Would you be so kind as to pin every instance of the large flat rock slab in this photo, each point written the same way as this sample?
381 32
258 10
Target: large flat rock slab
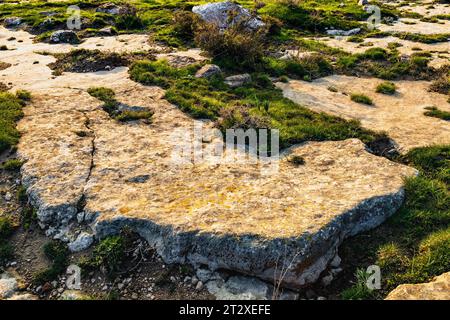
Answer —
230 216
88 173
438 289
400 115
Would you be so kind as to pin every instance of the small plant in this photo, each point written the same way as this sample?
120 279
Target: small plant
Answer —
436 113
296 160
12 165
134 115
58 254
109 253
332 89
361 98
386 87
441 85
23 95
6 228
22 194
359 291
28 216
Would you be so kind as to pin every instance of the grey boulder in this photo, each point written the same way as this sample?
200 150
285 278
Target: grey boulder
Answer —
219 13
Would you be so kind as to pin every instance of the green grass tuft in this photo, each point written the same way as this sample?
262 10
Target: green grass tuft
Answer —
386 87
361 98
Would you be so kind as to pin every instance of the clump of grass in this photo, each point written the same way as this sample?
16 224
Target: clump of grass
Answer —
111 106
306 68
441 85
109 254
83 60
437 113
386 87
23 95
134 115
296 160
10 112
22 194
6 230
361 98
58 254
360 290
12 165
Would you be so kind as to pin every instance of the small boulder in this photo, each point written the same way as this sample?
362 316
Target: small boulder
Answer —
64 36
107 31
343 33
219 13
238 80
8 285
12 22
207 71
82 242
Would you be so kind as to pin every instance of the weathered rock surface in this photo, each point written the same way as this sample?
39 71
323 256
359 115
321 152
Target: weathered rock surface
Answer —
8 285
438 289
87 172
12 22
238 80
400 115
219 14
239 288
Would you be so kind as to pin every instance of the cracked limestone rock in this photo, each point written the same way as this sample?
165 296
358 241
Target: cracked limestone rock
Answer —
438 289
87 171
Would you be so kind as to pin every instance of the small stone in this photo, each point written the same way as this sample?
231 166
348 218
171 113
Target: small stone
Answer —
207 71
321 298
54 284
336 262
120 286
12 22
107 31
8 196
326 281
83 241
187 279
194 280
238 80
199 286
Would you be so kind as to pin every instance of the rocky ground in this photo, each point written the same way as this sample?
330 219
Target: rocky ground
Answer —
89 175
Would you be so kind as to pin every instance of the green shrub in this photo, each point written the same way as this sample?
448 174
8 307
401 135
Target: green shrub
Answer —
361 98
236 46
386 88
